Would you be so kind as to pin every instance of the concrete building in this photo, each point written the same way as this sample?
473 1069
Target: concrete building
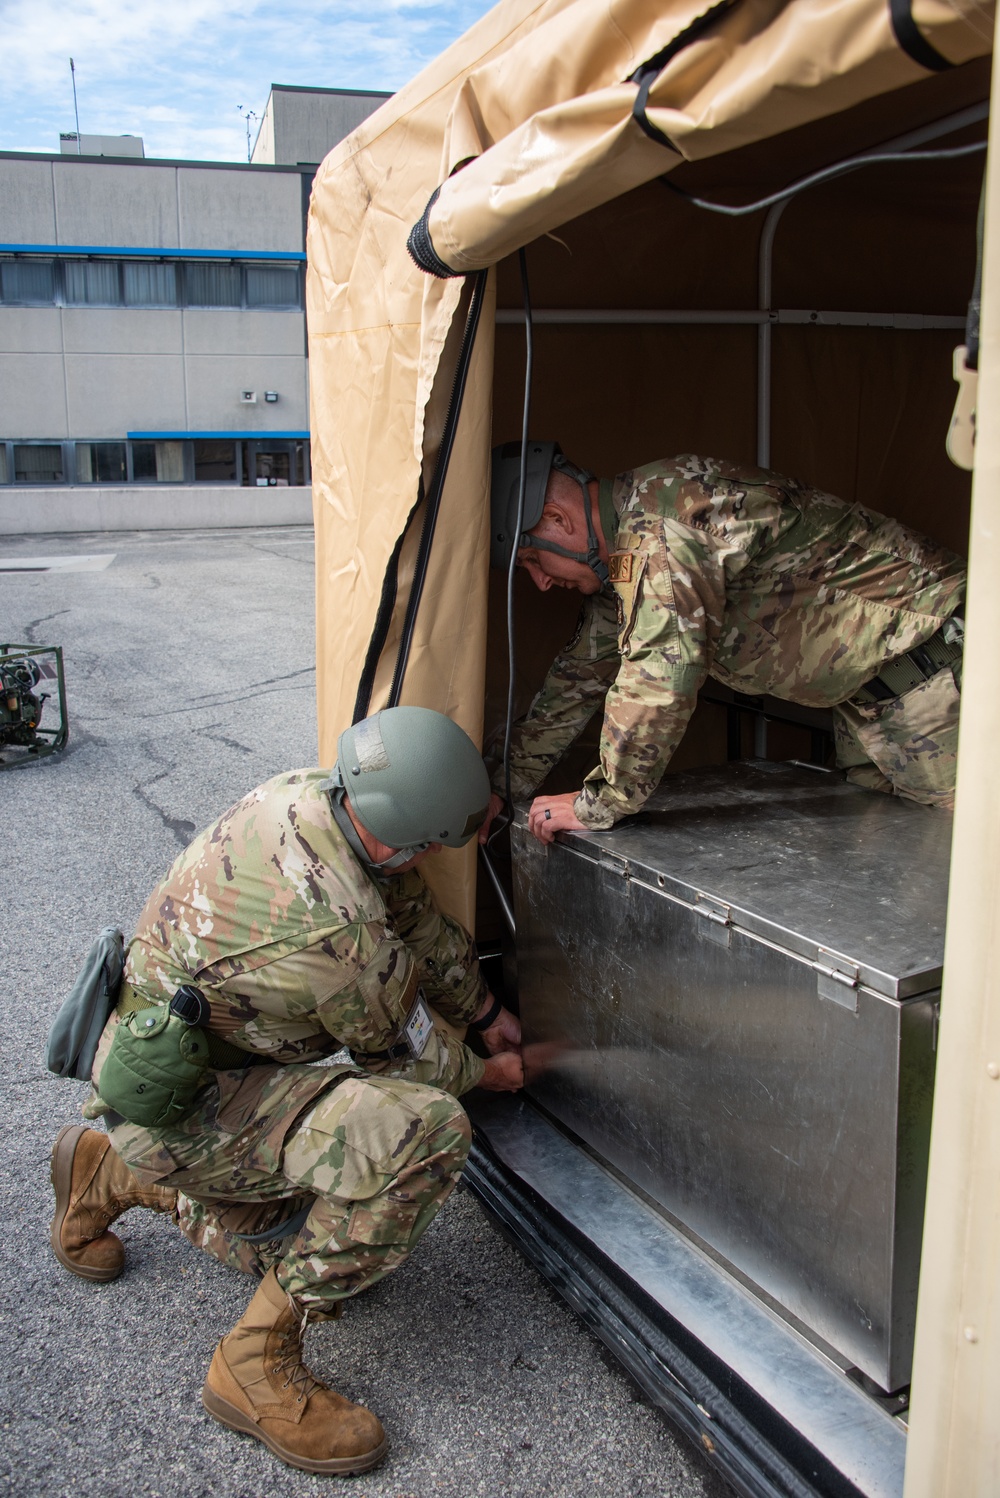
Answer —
300 125
153 356
71 144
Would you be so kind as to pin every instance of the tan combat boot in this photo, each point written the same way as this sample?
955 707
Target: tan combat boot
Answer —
93 1187
258 1383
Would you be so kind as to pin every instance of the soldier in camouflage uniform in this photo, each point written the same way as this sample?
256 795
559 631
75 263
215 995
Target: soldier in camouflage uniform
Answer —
302 920
694 567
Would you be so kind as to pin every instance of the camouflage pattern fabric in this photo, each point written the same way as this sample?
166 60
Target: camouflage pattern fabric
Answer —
907 746
733 572
298 949
379 1155
222 1229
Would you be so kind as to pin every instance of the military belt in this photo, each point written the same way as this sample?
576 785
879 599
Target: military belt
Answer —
904 672
222 1054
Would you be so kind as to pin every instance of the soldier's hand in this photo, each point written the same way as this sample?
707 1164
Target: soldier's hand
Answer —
493 810
503 1073
504 1034
552 814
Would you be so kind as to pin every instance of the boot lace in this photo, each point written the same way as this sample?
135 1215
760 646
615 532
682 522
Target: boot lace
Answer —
289 1361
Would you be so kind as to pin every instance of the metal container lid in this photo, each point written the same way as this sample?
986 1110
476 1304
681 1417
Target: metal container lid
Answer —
847 878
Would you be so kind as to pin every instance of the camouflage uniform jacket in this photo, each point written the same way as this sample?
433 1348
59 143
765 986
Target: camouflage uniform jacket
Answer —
732 572
298 949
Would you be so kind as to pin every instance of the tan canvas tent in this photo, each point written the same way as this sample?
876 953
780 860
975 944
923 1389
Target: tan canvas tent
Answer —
662 327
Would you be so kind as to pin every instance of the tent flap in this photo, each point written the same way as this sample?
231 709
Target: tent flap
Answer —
735 74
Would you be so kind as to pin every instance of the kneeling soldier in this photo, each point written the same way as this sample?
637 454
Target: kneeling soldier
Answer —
296 926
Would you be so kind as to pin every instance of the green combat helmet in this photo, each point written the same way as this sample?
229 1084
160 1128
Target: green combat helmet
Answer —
505 483
414 778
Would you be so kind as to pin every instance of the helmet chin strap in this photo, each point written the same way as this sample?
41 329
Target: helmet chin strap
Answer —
337 790
591 557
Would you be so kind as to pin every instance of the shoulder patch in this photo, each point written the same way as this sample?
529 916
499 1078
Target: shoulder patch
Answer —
620 566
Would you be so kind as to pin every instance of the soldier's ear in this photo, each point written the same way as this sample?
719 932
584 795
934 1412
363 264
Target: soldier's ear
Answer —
555 517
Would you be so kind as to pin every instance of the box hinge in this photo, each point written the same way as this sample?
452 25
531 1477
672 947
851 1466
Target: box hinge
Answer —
718 923
836 979
620 869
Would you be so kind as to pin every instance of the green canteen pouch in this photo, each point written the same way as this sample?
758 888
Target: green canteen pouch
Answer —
156 1065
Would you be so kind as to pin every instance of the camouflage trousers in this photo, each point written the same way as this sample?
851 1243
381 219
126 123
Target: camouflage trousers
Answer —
372 1158
906 746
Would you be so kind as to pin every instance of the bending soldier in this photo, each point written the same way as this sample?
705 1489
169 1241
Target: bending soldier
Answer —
300 925
693 567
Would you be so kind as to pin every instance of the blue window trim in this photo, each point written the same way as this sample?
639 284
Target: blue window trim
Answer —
216 436
164 253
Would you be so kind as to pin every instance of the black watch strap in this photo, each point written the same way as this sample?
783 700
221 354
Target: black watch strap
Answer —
487 1019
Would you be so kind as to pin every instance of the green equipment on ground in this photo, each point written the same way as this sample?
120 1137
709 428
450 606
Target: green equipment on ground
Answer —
23 670
158 1061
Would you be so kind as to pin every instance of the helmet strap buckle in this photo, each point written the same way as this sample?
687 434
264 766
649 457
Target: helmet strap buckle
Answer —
337 790
592 556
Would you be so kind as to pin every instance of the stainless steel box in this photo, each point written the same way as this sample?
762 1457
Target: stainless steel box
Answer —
733 1000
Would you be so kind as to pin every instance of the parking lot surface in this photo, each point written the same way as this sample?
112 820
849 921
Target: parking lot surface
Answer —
189 667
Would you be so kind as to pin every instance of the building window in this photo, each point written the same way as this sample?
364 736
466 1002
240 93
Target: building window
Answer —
207 284
101 463
266 461
106 281
272 468
260 460
150 283
91 283
214 462
38 463
28 283
158 462
275 286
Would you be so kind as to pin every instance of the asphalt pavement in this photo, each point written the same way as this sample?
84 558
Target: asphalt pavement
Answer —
190 673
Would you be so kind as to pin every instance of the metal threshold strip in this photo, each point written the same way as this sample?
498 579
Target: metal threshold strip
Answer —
778 1418
735 317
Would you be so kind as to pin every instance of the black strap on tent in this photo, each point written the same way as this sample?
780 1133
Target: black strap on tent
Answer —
647 72
911 39
972 316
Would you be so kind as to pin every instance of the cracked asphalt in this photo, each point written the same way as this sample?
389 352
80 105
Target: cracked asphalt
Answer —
189 668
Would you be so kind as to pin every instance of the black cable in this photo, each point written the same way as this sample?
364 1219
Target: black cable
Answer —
827 172
529 359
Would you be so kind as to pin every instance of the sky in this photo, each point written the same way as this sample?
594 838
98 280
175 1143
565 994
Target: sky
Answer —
184 73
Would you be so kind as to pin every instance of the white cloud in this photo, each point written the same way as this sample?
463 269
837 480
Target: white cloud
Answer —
176 73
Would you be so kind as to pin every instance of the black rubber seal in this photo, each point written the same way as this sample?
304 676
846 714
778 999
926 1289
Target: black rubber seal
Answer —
975 303
912 40
421 246
390 582
383 619
647 72
434 492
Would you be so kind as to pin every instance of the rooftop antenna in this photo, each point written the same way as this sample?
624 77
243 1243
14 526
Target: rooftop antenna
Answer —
79 142
248 115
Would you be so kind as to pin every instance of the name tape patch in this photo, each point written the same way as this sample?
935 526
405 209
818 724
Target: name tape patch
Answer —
418 1027
620 566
